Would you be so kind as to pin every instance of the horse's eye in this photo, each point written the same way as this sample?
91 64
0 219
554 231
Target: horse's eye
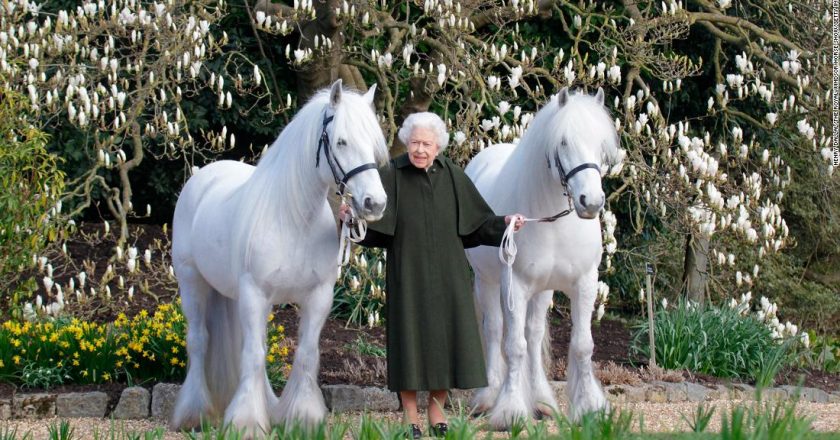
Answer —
341 142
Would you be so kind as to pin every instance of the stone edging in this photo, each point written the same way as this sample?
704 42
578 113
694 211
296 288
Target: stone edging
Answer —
138 403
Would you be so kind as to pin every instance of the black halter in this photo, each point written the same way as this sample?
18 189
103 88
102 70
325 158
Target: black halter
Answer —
564 178
332 161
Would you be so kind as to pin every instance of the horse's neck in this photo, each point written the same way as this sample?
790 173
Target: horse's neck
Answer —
302 207
534 192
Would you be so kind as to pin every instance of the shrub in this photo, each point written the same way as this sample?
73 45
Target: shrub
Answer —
30 183
143 348
717 341
823 353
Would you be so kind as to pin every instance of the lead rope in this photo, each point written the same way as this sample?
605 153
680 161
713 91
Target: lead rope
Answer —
507 255
507 249
350 234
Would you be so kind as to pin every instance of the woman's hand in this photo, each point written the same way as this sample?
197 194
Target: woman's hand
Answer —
343 212
519 220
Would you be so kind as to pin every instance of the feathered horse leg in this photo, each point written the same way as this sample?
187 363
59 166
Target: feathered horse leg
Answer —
248 411
490 318
584 391
194 400
301 400
513 401
542 394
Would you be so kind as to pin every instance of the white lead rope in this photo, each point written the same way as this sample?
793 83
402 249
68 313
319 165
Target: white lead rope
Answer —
349 235
507 254
507 249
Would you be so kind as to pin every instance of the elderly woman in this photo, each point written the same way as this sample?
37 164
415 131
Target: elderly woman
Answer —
434 211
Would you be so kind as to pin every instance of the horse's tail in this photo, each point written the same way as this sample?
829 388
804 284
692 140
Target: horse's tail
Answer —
548 358
224 349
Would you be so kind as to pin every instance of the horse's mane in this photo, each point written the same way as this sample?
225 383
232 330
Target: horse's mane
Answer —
279 193
582 117
582 122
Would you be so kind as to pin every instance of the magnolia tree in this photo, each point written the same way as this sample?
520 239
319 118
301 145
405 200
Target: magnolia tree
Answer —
120 72
713 100
712 171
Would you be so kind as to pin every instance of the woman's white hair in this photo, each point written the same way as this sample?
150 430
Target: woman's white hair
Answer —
425 120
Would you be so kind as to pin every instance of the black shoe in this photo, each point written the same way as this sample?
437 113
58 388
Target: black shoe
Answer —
439 430
415 431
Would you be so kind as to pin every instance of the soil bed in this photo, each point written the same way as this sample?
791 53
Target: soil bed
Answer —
92 250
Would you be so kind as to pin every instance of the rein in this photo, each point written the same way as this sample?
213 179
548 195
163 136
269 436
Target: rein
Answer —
348 234
508 250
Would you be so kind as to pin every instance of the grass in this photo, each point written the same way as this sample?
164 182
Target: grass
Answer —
761 420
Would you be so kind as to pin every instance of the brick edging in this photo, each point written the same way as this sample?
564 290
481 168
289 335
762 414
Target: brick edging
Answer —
139 403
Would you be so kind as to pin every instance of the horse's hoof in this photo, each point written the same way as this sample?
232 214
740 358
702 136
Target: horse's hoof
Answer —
542 411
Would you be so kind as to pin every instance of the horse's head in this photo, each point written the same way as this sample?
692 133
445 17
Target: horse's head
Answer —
584 142
353 147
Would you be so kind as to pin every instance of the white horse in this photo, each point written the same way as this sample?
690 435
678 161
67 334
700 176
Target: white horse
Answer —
574 133
245 238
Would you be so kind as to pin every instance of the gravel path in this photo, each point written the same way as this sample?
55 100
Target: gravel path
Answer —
658 417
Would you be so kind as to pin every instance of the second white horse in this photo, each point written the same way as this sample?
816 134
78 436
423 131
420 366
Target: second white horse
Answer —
555 167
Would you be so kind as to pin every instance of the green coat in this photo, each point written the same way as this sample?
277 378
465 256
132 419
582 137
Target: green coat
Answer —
433 338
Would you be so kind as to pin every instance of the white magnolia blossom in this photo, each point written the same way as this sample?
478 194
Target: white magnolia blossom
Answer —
600 312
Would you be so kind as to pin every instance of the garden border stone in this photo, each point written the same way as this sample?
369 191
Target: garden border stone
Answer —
164 396
5 409
33 405
139 403
91 404
134 403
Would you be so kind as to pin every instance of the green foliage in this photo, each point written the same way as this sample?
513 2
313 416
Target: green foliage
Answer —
770 421
810 299
61 430
143 348
599 425
30 183
360 291
117 431
40 376
700 420
373 429
364 347
716 341
7 433
823 353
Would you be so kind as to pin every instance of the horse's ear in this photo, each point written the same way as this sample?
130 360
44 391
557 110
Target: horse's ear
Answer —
600 96
335 93
563 96
370 94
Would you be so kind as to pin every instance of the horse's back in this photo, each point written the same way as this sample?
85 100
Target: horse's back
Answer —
485 168
203 194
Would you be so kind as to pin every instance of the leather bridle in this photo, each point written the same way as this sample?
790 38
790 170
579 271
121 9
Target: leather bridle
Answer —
339 175
564 179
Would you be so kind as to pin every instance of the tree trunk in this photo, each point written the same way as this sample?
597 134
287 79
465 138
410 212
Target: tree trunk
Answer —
695 274
323 69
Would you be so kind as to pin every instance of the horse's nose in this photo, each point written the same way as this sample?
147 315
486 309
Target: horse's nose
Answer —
373 206
596 204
